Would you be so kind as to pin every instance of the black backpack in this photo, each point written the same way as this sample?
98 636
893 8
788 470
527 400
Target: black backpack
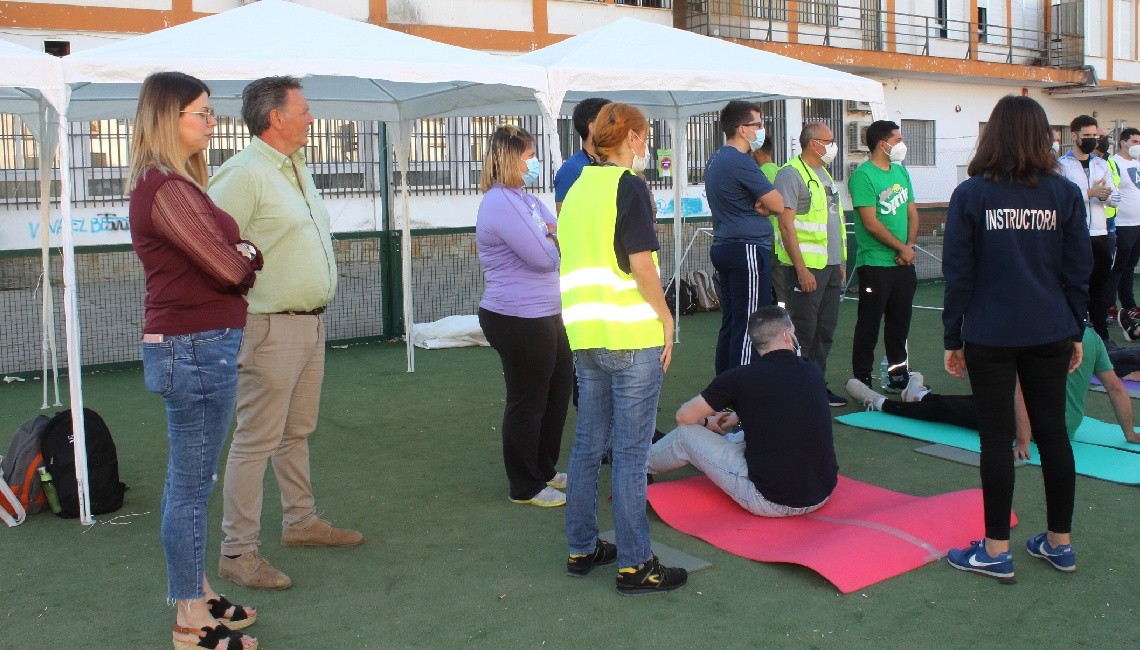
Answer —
102 464
688 298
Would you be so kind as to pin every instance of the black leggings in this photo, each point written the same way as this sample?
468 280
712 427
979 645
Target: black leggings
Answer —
539 372
958 410
1042 370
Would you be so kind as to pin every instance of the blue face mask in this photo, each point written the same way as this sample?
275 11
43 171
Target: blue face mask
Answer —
758 141
533 169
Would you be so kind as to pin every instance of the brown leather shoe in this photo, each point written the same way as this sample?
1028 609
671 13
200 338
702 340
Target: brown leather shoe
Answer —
252 570
320 533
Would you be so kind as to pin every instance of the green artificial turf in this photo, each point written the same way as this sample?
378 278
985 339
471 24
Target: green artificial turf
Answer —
413 461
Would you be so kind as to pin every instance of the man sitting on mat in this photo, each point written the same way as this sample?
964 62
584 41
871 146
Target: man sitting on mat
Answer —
920 404
786 465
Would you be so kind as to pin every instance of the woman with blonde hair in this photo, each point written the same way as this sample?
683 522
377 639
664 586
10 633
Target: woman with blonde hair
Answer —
621 332
521 315
197 271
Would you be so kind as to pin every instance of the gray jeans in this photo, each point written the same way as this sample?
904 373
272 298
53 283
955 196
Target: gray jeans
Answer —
816 314
720 460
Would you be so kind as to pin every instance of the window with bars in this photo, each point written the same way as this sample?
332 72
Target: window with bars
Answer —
832 113
768 9
819 12
342 156
920 144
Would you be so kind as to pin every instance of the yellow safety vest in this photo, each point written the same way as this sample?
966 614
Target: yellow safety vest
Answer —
1110 213
601 306
811 228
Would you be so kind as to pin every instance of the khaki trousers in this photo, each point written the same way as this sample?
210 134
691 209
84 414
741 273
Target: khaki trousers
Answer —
281 364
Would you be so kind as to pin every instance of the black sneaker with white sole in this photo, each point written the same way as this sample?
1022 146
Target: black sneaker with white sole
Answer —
650 577
835 400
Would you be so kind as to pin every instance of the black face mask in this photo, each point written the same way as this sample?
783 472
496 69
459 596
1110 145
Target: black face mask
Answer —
1102 144
1086 145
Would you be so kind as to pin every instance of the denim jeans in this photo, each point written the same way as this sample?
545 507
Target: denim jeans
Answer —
197 376
722 462
618 395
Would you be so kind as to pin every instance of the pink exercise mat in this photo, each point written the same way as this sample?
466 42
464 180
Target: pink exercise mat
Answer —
863 535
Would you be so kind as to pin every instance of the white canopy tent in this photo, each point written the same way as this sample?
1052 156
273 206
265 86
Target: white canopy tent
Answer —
672 74
350 70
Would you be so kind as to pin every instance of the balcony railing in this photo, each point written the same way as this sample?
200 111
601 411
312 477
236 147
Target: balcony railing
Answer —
866 27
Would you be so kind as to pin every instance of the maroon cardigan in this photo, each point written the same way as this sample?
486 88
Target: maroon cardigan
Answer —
195 277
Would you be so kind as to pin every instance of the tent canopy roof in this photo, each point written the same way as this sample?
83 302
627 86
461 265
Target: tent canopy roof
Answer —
670 72
351 69
28 76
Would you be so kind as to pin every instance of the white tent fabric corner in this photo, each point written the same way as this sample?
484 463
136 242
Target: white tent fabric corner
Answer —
450 332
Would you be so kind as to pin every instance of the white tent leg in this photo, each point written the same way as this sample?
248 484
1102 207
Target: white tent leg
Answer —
71 327
403 143
680 172
47 142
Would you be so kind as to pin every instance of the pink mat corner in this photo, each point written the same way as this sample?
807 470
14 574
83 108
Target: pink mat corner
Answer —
863 535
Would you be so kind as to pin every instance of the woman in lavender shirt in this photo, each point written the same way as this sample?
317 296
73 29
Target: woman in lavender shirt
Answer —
521 315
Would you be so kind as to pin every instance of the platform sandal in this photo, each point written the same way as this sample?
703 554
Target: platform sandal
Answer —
239 621
218 637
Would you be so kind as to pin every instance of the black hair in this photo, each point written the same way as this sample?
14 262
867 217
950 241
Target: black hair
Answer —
585 112
736 114
878 131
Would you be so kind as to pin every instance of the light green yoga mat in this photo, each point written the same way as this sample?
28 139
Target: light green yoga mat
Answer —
1099 448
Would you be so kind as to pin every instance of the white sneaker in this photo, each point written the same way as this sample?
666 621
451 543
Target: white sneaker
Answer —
914 388
547 498
858 390
558 482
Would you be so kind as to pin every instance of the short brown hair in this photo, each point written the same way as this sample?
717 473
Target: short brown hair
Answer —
612 126
501 164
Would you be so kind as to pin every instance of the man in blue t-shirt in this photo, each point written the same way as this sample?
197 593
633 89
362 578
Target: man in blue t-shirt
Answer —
740 198
786 465
583 117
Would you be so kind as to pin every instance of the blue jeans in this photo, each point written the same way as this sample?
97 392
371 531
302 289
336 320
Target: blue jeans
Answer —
618 391
197 376
722 462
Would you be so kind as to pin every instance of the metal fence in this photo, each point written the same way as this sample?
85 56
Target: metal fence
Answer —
446 280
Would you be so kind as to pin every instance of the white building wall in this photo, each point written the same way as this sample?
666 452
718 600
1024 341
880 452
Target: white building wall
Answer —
164 5
577 16
511 15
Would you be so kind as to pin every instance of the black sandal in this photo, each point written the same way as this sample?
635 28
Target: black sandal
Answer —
239 621
211 637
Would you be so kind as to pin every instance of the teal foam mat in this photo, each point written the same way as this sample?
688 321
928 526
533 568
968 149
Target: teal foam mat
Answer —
1099 448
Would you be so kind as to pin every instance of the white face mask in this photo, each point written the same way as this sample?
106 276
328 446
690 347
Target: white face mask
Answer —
757 142
1056 147
640 162
897 154
830 151
1134 152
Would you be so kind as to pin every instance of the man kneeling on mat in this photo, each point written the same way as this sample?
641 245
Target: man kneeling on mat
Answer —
1108 366
786 465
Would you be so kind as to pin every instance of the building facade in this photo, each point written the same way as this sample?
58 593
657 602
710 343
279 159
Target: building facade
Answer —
943 64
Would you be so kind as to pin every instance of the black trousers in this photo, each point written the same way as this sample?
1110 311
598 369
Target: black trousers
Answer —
744 284
539 372
1042 370
886 294
959 410
1124 264
1101 294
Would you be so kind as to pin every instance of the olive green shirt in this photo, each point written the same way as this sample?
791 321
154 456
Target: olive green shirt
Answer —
272 198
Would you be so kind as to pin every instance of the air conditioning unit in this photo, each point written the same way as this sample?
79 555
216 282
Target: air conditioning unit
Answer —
851 167
856 137
858 107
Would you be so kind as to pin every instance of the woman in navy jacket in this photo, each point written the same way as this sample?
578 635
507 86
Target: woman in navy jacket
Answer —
1017 261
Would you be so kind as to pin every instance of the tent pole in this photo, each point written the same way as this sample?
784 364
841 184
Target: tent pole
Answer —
403 150
680 171
71 324
46 139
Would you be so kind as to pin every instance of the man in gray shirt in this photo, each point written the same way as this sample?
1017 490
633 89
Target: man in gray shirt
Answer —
812 246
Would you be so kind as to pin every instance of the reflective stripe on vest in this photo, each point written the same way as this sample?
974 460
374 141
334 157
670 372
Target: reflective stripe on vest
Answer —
601 306
811 228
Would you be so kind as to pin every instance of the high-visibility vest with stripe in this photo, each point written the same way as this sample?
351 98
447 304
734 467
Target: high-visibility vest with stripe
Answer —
1110 213
811 228
601 306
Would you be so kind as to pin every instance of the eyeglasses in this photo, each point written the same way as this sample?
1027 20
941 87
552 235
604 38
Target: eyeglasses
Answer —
831 141
206 114
753 124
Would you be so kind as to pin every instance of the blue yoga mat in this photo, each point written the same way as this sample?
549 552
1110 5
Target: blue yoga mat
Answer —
1099 448
1133 387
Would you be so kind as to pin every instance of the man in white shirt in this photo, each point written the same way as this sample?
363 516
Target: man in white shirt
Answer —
1125 167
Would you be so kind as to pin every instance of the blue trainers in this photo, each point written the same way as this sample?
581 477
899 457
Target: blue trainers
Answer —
1063 557
977 560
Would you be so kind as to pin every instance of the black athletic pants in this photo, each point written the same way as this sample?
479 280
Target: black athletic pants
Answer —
1042 370
886 294
539 372
959 410
1101 294
1124 265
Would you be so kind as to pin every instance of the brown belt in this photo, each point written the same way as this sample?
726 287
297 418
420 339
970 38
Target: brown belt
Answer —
316 312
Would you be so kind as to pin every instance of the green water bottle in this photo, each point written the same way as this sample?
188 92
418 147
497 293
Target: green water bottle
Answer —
49 490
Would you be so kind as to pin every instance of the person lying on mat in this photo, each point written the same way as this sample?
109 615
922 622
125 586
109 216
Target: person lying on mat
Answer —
786 465
920 404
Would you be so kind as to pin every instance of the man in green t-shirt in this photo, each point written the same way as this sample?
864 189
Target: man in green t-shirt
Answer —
885 233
